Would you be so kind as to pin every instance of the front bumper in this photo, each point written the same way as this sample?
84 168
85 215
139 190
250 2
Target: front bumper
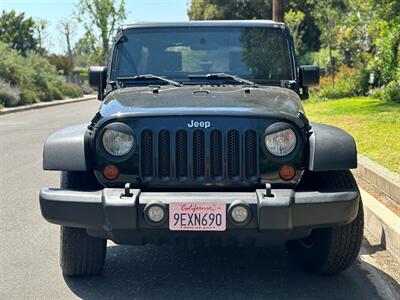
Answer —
287 215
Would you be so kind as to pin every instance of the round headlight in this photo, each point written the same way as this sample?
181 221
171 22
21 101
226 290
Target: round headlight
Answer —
281 143
117 143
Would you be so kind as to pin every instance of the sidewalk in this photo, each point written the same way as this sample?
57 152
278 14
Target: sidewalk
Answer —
45 104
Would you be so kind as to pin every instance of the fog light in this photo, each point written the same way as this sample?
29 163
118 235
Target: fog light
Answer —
111 172
239 212
155 213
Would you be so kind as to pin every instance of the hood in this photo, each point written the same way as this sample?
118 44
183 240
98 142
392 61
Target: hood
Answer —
260 101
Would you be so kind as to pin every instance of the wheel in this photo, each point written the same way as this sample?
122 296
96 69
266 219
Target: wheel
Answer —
334 249
80 254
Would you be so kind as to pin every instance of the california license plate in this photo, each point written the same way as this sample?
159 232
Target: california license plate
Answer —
197 217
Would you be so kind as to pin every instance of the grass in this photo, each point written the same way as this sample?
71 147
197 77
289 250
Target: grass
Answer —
374 124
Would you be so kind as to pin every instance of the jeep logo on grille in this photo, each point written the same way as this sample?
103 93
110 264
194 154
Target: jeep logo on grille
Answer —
201 124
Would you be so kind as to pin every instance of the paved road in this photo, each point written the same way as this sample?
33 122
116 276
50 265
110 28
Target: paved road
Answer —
29 247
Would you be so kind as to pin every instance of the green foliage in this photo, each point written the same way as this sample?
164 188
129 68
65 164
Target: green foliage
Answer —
229 9
62 63
9 95
71 90
294 19
322 59
103 15
391 92
34 76
258 9
17 31
387 60
349 82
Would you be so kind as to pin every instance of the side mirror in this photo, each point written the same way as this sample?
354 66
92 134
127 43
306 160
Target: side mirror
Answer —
98 80
309 77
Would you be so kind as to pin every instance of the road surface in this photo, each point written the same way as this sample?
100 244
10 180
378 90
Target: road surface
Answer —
29 267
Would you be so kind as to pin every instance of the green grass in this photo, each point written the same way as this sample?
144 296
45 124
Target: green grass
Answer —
374 124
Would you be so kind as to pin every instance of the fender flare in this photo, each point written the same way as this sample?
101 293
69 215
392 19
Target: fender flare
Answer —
67 149
331 149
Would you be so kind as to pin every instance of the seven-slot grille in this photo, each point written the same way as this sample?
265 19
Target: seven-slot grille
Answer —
199 155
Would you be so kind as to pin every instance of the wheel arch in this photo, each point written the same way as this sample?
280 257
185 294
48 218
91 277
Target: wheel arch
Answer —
331 149
68 149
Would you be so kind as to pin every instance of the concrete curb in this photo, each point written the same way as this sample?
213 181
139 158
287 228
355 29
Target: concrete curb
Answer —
11 110
382 223
379 177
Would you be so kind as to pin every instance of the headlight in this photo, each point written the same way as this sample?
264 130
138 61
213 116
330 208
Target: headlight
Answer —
280 143
117 143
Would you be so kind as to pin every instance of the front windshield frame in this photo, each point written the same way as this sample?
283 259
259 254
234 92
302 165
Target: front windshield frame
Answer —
285 33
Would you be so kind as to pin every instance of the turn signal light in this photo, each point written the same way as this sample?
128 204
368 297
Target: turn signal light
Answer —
287 172
111 172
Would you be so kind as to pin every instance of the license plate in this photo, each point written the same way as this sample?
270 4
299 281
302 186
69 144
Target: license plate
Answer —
197 217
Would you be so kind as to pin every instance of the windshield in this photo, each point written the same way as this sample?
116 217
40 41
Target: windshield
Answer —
256 53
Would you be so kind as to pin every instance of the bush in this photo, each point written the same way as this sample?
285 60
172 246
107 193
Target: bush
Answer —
34 77
9 95
348 83
391 92
71 90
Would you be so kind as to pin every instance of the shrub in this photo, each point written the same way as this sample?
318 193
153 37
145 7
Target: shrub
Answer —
71 90
87 89
348 82
34 76
391 92
9 95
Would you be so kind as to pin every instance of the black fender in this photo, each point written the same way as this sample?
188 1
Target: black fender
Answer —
67 149
331 149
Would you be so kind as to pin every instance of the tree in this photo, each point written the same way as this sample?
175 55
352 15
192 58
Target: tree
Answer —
329 14
105 16
259 9
17 31
293 20
230 9
67 29
278 11
62 63
41 33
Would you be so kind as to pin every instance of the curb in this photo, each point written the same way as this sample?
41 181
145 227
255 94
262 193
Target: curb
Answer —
379 177
11 110
382 223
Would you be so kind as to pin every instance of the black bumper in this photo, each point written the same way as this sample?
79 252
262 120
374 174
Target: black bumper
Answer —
287 215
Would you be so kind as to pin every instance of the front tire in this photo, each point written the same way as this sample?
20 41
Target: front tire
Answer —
334 249
80 254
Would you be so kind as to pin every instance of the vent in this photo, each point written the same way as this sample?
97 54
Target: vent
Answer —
164 157
251 154
147 153
233 154
198 154
181 155
216 157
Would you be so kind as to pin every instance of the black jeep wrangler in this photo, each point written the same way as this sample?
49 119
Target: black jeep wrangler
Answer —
201 139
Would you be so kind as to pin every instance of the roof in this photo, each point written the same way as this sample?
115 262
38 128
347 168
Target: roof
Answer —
219 23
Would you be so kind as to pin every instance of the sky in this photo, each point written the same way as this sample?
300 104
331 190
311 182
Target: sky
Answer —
55 10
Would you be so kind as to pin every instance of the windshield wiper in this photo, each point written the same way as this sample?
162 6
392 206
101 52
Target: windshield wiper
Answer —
149 76
224 76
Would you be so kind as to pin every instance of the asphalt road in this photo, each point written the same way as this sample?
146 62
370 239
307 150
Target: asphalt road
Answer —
29 247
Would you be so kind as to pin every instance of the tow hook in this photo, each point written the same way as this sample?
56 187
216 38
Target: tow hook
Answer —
268 192
127 191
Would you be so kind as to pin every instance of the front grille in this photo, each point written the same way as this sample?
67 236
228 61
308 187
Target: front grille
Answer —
147 153
233 154
199 155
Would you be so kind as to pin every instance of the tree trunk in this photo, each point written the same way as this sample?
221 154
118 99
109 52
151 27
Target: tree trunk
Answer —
278 11
332 67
